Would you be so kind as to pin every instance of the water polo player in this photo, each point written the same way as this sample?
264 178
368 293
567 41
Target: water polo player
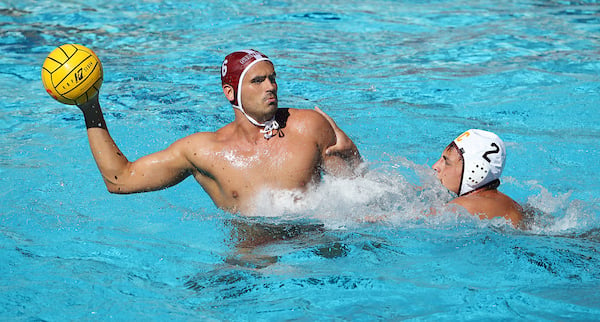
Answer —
471 166
264 147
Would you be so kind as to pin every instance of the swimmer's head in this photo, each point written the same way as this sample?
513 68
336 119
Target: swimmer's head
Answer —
234 68
483 155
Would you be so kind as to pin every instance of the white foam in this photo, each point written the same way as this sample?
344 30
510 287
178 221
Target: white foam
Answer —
384 196
559 213
380 195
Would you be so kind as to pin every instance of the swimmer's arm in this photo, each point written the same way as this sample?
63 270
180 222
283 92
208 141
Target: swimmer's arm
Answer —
152 172
342 156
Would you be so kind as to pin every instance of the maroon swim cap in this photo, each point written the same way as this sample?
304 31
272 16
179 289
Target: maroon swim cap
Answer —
234 68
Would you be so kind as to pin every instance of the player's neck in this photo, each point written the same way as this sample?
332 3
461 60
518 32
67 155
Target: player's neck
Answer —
246 131
483 191
249 127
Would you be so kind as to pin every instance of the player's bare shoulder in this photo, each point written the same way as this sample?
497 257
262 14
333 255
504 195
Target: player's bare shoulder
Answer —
310 122
196 146
467 202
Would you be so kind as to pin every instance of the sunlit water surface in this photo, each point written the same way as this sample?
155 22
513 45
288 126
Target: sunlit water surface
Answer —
401 78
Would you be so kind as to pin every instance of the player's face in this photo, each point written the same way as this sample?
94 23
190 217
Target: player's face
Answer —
449 169
259 91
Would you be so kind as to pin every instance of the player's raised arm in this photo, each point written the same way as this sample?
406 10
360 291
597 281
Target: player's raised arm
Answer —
152 172
72 74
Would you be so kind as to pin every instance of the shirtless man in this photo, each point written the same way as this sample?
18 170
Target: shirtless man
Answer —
470 167
263 148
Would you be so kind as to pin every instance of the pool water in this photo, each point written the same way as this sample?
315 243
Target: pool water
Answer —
402 78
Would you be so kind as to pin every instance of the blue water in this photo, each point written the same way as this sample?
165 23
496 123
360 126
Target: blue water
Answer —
402 78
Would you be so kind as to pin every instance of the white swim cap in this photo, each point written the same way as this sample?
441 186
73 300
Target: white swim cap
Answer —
483 155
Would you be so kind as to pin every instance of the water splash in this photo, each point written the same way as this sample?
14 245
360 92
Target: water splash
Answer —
381 194
559 213
403 193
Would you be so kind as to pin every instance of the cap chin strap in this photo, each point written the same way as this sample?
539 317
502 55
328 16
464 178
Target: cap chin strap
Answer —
462 175
268 127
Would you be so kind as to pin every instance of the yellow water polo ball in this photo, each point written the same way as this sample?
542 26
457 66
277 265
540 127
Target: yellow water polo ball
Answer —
72 74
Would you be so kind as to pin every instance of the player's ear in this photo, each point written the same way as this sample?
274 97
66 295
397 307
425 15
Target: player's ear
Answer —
229 93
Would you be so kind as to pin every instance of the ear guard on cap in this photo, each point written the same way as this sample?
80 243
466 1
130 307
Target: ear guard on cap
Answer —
483 155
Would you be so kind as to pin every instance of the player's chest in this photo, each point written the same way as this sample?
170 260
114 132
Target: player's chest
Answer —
276 161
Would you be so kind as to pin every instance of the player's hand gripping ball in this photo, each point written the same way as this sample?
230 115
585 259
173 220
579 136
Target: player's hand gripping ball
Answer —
72 74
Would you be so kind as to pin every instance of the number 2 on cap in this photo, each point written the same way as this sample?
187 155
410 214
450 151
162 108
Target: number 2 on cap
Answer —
496 150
